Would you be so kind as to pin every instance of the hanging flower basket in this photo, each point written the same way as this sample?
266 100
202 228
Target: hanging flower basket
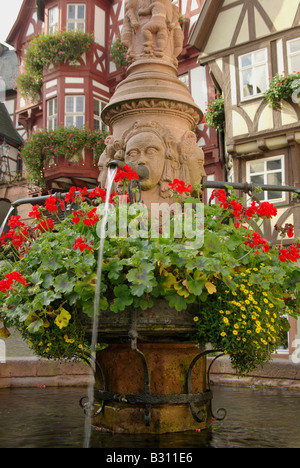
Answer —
61 47
215 114
283 87
118 54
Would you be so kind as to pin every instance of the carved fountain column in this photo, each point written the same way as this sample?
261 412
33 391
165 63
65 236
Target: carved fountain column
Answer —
152 116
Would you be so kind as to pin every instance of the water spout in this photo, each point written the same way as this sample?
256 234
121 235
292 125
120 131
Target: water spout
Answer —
11 212
110 179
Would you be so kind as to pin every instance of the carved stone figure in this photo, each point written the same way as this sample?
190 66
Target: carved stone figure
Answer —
130 26
155 31
107 156
192 159
152 113
151 145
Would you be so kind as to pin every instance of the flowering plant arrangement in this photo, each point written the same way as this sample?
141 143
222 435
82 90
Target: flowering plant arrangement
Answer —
282 87
118 53
182 20
244 287
42 50
46 145
214 114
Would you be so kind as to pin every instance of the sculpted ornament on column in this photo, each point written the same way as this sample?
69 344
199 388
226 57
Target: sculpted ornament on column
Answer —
152 145
151 29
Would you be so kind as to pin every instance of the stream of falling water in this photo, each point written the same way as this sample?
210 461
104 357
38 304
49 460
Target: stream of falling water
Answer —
88 426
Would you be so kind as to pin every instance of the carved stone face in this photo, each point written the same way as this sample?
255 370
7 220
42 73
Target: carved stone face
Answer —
147 149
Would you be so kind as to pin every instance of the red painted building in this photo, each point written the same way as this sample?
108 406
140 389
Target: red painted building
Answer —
75 95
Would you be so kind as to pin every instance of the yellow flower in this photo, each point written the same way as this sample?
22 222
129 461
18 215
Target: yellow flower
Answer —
236 325
225 320
235 332
249 332
223 334
62 320
196 319
80 346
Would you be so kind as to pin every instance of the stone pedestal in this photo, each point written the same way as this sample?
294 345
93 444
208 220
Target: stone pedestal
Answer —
150 384
176 388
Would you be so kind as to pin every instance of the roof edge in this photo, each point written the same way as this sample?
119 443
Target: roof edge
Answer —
204 23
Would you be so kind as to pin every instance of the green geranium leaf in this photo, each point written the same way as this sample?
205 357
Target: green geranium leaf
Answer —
176 301
196 285
114 267
122 299
212 242
35 326
64 283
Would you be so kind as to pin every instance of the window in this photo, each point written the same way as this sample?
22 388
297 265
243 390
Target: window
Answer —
253 69
293 53
185 79
98 108
75 108
269 171
53 20
76 17
52 114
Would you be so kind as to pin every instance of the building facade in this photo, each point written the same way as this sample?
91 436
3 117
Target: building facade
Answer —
76 95
245 44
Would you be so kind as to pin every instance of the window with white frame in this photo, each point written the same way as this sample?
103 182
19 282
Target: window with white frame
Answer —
76 14
53 20
293 54
253 69
268 171
52 114
74 111
98 108
185 79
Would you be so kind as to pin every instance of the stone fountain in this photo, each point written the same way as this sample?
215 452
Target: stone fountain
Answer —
152 379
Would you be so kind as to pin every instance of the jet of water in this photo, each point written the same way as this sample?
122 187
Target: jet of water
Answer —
88 426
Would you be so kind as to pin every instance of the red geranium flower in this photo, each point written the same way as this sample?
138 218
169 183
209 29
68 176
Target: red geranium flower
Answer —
35 213
125 173
180 186
266 210
50 204
45 225
81 245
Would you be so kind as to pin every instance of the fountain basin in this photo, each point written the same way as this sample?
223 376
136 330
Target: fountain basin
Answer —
158 323
152 376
